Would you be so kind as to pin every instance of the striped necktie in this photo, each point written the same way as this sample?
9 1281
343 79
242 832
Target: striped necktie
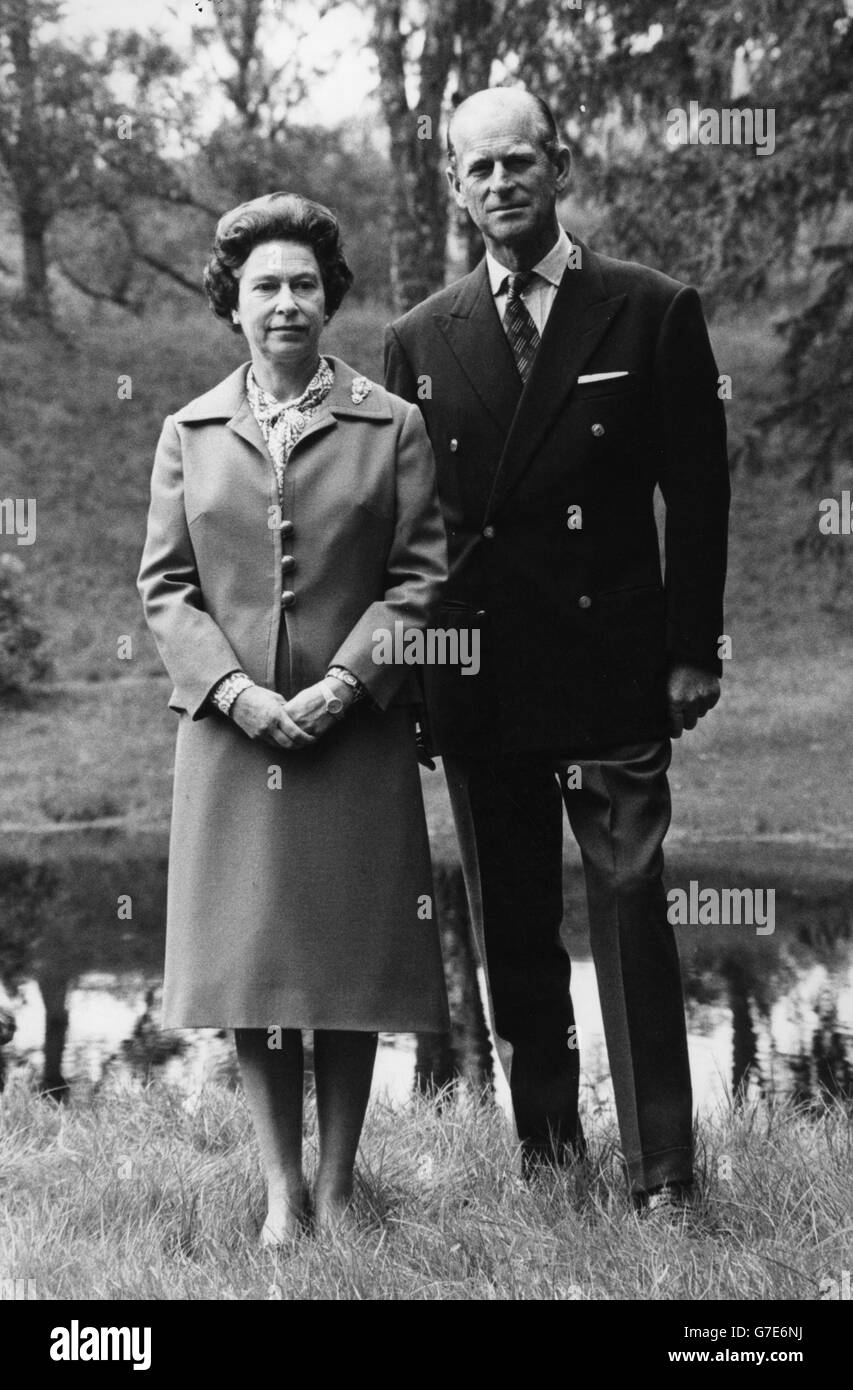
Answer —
518 324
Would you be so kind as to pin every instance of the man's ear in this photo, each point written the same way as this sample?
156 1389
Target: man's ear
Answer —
454 186
563 165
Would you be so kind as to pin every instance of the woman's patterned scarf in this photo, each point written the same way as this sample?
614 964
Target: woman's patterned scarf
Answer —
282 423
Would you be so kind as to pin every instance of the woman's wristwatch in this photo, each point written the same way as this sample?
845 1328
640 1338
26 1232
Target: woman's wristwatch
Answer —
334 704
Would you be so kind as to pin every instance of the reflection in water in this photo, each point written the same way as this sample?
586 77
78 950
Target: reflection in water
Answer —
767 1015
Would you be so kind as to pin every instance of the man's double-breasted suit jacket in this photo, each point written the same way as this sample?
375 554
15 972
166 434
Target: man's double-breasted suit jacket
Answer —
547 493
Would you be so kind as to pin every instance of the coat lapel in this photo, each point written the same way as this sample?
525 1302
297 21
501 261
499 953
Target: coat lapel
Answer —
580 316
228 402
244 423
477 340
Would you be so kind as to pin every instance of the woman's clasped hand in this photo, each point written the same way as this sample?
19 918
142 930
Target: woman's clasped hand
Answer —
297 723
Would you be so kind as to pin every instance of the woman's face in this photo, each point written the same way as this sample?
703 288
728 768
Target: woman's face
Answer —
282 303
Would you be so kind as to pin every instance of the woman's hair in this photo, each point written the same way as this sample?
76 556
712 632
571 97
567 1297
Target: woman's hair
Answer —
274 217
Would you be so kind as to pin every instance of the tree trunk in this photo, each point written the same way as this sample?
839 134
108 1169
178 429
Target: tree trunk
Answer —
22 153
465 1052
35 296
419 212
418 196
477 46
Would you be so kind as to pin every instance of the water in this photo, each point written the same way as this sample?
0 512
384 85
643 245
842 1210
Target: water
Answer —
767 1014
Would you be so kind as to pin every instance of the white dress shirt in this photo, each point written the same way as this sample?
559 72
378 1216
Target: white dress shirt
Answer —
542 290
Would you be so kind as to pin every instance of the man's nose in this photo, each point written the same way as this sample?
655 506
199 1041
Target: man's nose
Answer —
501 177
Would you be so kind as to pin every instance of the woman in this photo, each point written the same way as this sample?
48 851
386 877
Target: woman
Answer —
294 520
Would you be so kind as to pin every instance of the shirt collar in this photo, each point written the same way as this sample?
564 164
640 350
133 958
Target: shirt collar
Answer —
550 267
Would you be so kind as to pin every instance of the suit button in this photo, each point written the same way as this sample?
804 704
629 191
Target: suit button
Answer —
286 528
288 598
489 532
480 613
584 601
598 430
454 445
288 563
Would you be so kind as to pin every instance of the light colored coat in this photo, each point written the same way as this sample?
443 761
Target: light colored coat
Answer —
298 880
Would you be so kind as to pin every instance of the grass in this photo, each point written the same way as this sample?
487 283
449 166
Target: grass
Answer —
765 762
147 1194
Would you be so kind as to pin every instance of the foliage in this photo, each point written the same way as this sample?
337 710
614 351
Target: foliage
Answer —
21 662
732 221
70 148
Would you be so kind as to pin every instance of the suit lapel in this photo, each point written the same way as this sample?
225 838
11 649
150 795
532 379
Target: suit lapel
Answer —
580 316
477 340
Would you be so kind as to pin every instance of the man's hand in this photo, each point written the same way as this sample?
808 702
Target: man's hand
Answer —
308 708
691 692
262 714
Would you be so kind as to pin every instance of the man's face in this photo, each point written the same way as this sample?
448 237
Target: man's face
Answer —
504 177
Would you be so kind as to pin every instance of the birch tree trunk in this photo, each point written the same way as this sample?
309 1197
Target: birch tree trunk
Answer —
22 155
419 198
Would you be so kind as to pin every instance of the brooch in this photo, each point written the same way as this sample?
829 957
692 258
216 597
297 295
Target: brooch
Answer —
361 389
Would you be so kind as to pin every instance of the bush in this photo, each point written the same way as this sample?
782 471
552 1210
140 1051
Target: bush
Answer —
21 662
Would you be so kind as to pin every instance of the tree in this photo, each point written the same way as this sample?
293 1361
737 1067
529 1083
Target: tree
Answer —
70 149
445 49
25 148
419 204
727 219
264 143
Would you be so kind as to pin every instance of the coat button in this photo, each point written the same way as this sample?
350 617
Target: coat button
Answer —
288 598
454 445
286 528
598 430
584 601
489 532
288 563
480 613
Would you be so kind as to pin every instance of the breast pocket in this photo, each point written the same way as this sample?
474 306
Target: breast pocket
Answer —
606 387
609 424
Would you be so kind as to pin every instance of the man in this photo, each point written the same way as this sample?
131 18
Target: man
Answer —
558 388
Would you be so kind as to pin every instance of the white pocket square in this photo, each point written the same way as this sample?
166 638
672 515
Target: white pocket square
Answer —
600 376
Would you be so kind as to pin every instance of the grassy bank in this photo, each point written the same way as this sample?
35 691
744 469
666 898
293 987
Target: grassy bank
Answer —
764 763
146 1195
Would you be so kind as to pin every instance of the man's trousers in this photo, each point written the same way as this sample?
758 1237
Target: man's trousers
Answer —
508 815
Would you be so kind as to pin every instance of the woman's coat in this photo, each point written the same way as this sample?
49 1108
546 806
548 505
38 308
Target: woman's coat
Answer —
300 890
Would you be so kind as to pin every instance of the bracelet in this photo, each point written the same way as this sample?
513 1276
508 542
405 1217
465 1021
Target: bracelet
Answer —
225 693
340 673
